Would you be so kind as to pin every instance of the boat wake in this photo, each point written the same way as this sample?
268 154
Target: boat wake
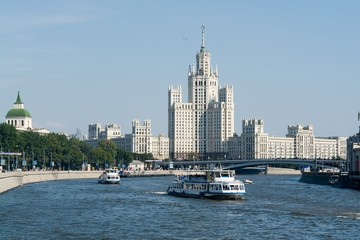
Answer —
355 216
160 193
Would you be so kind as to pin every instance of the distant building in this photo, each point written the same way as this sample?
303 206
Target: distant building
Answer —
140 140
304 141
300 142
160 147
253 140
141 137
203 125
136 166
353 155
18 116
21 119
110 131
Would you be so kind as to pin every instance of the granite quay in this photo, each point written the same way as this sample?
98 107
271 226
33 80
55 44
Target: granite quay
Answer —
10 180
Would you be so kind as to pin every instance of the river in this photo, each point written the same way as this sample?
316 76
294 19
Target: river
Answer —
276 207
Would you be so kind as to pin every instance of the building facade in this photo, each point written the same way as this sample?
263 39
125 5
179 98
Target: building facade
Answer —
140 140
108 132
21 119
201 126
160 147
141 137
18 116
353 155
300 142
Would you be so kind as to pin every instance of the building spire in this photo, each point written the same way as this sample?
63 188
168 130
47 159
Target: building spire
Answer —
18 99
202 36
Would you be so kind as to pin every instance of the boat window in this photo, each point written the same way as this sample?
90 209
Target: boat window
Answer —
225 174
226 187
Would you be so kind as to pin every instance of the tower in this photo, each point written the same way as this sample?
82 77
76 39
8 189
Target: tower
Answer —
19 117
201 127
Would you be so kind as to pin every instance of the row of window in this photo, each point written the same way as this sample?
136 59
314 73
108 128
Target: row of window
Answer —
16 122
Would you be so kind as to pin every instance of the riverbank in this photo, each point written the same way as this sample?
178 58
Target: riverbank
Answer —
282 171
10 180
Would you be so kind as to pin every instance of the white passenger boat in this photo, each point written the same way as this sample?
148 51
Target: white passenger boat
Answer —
216 184
109 175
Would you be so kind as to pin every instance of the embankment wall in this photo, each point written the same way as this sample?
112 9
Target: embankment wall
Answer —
282 171
10 180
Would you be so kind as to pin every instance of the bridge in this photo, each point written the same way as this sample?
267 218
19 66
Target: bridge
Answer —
239 164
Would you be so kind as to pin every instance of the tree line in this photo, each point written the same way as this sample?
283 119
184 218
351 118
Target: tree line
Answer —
57 151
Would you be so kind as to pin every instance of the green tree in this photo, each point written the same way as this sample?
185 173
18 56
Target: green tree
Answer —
8 138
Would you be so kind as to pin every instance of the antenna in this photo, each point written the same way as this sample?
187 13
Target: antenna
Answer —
202 36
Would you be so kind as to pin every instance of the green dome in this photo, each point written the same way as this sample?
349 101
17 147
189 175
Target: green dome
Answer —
18 113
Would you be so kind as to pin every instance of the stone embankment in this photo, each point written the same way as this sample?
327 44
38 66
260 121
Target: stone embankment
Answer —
10 180
282 171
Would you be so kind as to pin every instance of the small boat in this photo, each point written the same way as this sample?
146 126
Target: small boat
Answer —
215 184
109 175
248 181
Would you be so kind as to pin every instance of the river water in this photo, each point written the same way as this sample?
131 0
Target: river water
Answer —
276 207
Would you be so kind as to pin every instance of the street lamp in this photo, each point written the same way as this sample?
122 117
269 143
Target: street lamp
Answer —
44 167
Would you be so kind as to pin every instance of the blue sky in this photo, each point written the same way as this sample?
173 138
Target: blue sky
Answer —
79 62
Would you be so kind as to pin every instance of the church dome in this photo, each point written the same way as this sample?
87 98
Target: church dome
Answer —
13 113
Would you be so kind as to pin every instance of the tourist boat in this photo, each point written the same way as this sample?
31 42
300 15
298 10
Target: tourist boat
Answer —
109 175
216 184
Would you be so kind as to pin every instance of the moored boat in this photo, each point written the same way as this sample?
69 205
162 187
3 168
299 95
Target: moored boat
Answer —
109 175
216 184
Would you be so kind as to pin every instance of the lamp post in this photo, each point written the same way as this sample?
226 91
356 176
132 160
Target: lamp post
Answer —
51 162
32 160
44 167
8 160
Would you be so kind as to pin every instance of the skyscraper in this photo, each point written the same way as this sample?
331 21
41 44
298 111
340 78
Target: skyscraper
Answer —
201 127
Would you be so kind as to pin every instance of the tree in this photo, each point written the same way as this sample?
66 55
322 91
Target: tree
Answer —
8 138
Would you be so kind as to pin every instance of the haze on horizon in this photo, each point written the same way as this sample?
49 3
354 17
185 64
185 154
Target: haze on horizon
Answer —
82 62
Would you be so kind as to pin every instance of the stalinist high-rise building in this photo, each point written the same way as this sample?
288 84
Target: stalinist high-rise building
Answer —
200 128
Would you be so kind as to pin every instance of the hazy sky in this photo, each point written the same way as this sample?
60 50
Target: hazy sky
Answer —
77 62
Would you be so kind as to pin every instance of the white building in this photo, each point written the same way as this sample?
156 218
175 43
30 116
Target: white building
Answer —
141 137
21 119
203 125
110 131
281 148
304 141
160 147
330 147
300 142
140 140
253 140
18 116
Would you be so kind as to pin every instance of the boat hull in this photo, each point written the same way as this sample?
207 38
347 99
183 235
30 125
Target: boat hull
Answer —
109 182
208 195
